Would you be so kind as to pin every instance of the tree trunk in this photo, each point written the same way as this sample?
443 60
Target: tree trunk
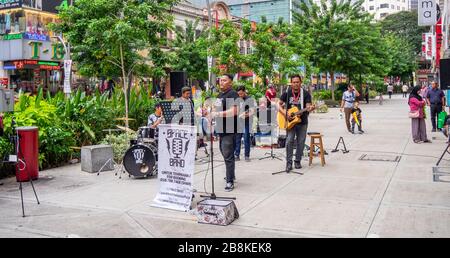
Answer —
125 84
332 86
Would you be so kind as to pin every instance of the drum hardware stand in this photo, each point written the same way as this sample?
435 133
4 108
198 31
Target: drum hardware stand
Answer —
212 195
443 154
341 140
14 159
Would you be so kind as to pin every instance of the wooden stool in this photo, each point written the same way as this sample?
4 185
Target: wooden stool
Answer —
316 141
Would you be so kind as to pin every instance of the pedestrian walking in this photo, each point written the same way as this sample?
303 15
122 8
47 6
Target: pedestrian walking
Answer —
436 101
417 115
348 98
390 90
405 89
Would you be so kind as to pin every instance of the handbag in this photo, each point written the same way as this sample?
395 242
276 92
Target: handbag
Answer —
442 117
414 114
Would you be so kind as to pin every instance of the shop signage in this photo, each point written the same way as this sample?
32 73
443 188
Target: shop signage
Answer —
438 29
13 36
31 64
34 36
27 35
36 49
427 12
8 4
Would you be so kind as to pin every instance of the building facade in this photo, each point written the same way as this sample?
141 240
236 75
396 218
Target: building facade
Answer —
29 55
254 10
382 8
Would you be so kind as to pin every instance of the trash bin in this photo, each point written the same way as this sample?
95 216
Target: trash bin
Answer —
28 154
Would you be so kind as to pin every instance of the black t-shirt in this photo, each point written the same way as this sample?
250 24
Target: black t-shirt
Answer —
224 102
306 99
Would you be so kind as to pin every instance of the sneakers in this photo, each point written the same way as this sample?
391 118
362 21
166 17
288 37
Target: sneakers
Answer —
229 187
433 131
361 131
237 158
298 165
247 159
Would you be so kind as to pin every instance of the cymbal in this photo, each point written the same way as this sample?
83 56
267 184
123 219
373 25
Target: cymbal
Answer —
124 119
125 129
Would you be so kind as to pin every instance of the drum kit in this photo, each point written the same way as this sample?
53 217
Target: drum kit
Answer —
141 159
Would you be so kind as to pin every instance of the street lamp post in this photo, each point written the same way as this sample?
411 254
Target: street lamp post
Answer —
67 66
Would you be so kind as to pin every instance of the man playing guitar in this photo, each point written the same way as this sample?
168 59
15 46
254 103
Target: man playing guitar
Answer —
301 99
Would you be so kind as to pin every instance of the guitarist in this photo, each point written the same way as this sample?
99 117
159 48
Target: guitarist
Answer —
296 96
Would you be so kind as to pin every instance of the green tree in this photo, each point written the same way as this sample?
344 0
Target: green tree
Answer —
225 49
401 51
404 24
344 38
190 52
109 36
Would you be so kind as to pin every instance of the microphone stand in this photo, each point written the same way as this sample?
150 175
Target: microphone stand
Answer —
212 195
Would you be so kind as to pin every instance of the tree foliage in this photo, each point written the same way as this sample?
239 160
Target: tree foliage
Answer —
404 25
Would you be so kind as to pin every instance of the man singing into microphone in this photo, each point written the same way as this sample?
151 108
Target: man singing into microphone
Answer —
226 111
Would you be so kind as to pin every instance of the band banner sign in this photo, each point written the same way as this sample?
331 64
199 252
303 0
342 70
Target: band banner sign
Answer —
176 164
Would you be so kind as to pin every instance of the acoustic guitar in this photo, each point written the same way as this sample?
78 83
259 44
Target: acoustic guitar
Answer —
292 120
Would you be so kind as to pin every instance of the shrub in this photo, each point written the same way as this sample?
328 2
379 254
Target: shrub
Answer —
54 139
120 143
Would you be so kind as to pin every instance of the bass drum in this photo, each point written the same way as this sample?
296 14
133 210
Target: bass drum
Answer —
140 161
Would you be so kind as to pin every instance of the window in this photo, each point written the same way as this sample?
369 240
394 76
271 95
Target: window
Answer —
383 15
371 8
392 7
241 47
403 8
384 6
249 47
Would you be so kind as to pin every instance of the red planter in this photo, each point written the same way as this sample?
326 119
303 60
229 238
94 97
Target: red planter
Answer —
28 152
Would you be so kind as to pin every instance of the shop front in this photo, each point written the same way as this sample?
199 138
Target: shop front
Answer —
31 61
28 57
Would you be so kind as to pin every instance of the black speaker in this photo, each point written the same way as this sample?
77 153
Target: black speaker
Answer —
178 80
445 74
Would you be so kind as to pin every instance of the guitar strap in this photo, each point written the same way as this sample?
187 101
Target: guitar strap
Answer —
302 97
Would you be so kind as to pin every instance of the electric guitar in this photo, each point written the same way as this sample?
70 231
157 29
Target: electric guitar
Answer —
292 119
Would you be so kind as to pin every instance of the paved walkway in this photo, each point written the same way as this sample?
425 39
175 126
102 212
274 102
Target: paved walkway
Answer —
347 198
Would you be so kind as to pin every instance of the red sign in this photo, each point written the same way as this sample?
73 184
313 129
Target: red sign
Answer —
21 64
438 42
49 67
4 82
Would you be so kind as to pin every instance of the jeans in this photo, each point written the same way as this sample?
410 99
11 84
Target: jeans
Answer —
246 134
296 136
435 109
227 146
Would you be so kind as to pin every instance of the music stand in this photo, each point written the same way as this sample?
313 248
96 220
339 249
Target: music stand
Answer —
271 154
286 118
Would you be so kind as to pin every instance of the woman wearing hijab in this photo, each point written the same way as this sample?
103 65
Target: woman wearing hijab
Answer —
417 104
